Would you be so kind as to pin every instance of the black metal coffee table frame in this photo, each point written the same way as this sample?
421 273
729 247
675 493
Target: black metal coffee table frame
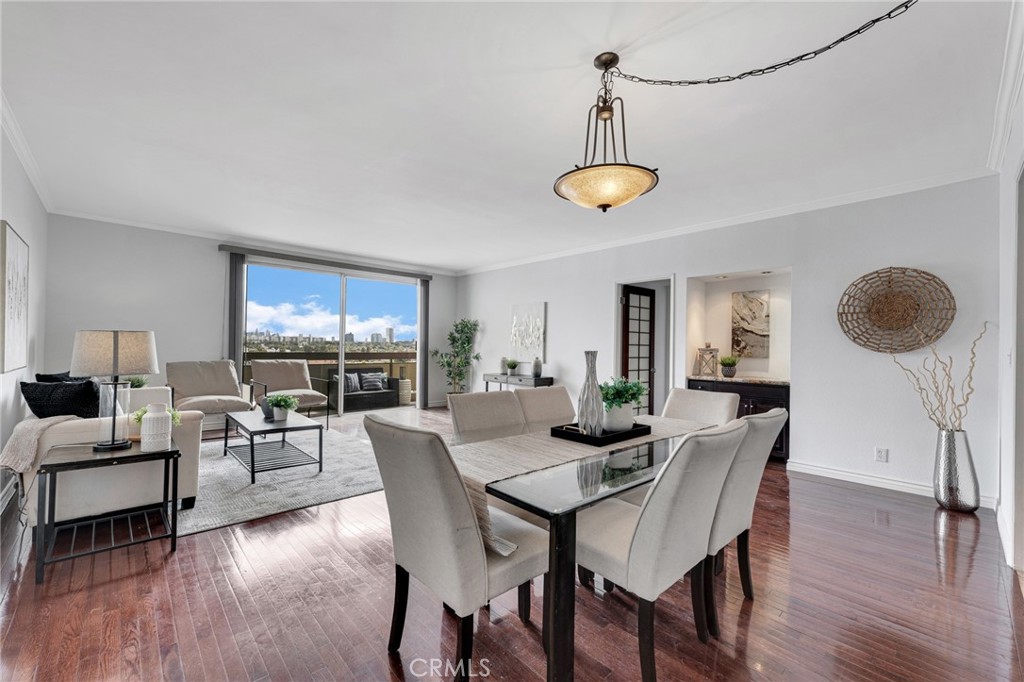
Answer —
270 455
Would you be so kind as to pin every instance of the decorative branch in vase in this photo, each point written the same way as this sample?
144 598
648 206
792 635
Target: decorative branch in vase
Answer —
955 482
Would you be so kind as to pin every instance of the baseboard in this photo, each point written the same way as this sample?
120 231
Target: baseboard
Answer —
1006 537
873 481
437 403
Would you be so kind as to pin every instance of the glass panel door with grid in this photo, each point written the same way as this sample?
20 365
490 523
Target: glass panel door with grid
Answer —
637 362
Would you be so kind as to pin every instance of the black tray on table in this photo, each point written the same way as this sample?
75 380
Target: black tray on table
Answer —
572 432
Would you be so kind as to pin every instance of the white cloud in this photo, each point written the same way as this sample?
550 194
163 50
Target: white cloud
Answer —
313 319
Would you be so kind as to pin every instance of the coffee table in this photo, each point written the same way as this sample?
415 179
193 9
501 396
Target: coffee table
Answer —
271 454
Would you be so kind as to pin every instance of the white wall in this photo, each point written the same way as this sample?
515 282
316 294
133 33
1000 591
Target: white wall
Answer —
21 207
845 400
105 276
718 323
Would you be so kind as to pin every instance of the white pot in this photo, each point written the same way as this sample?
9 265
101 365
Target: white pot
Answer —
619 418
155 430
280 414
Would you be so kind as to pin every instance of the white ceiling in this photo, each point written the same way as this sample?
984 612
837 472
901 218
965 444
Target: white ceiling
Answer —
432 133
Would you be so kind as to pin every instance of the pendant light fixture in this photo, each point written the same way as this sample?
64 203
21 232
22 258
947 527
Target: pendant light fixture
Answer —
605 182
608 182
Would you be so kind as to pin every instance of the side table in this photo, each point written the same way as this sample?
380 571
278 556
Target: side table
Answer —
108 531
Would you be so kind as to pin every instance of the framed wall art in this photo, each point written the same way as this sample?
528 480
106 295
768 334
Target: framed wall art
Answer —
14 330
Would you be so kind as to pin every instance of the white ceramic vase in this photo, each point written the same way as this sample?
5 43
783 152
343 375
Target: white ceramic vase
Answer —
155 428
619 418
280 414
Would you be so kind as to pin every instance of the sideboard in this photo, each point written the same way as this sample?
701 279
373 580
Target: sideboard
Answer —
523 381
756 396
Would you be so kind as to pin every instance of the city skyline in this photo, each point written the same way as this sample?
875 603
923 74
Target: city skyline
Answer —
297 303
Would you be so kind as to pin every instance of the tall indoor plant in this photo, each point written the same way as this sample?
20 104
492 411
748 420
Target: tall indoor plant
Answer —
955 482
458 359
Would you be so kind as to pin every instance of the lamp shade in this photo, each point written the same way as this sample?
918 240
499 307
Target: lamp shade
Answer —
605 186
107 352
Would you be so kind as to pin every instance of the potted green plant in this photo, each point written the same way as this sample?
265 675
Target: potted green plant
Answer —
137 382
619 396
282 404
728 364
458 359
511 365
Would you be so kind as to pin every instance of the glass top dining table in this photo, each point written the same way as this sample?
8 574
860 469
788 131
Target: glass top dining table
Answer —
554 479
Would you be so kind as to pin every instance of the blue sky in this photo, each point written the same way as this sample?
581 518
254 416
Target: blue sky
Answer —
300 302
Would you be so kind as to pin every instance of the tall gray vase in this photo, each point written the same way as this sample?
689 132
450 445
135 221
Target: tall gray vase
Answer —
590 408
955 481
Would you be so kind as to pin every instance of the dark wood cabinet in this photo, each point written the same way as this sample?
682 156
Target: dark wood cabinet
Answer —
755 398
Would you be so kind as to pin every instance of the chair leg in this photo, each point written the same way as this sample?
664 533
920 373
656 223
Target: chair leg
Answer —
709 597
585 574
608 585
645 637
697 595
464 648
524 602
398 616
719 562
188 502
743 554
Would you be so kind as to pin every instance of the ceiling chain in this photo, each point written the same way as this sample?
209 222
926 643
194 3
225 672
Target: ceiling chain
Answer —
807 56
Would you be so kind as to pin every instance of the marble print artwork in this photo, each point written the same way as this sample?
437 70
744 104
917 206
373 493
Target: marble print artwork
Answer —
750 328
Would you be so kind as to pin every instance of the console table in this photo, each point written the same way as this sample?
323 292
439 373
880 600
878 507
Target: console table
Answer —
756 396
107 531
522 381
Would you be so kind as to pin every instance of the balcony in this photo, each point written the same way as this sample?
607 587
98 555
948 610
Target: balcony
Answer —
324 366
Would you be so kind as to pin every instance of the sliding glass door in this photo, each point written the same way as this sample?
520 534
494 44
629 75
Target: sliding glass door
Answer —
333 320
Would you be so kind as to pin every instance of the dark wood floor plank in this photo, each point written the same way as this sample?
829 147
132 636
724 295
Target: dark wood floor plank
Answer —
851 583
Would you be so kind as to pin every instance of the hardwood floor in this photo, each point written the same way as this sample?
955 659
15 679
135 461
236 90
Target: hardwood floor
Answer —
851 583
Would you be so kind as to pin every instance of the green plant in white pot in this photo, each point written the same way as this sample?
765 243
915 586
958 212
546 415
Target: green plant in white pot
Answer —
619 398
282 404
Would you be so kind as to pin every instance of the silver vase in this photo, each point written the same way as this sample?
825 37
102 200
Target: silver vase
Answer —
955 482
590 408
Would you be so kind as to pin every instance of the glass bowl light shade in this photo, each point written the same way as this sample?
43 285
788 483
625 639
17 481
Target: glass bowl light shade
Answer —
605 185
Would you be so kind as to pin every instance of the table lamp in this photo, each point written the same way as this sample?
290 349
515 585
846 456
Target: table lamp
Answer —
113 353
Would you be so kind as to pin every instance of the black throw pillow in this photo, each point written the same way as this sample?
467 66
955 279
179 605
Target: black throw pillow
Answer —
51 399
59 377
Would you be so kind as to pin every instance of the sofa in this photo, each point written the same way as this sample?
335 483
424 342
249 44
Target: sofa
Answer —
90 492
356 401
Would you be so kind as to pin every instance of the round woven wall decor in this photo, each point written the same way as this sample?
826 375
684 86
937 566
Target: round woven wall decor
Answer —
895 310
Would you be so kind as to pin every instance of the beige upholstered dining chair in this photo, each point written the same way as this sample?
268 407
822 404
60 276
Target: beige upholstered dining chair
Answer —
437 538
548 404
485 412
709 407
647 549
706 407
735 512
289 377
210 386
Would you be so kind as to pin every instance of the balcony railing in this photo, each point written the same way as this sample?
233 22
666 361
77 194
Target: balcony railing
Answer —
400 365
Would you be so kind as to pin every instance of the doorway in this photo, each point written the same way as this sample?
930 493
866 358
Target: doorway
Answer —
645 321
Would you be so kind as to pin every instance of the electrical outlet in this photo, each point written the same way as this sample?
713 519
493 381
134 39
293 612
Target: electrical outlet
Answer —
881 454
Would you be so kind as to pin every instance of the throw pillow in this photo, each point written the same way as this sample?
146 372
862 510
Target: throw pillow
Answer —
52 399
58 377
372 382
351 382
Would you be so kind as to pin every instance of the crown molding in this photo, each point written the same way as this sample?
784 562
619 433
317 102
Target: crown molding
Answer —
782 211
10 126
1009 87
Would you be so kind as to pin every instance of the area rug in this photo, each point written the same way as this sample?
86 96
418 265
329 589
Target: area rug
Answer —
226 496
